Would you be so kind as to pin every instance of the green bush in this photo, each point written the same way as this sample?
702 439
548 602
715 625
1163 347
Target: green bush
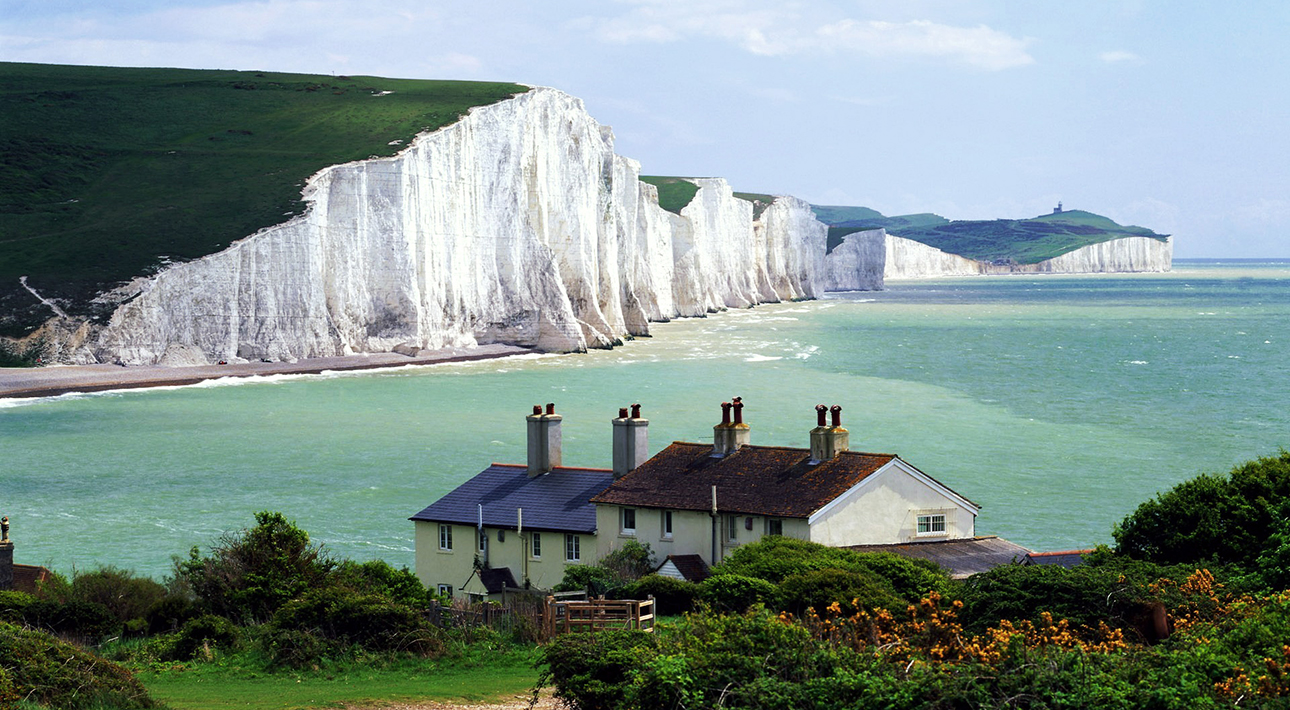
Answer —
629 562
51 673
201 635
1212 519
169 613
125 595
344 617
671 596
776 558
13 605
90 621
593 578
819 588
734 592
591 671
249 576
380 577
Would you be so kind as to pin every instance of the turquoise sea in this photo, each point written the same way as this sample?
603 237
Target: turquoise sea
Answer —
1056 403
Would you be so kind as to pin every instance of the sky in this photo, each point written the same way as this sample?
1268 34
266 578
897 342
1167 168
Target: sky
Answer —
1169 114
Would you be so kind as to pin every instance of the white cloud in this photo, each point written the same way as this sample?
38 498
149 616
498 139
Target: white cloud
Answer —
978 46
776 31
1119 55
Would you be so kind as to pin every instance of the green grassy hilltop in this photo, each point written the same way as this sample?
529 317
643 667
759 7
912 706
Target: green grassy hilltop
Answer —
109 172
1023 241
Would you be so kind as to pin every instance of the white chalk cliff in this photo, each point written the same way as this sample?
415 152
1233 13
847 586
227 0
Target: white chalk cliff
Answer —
518 224
865 260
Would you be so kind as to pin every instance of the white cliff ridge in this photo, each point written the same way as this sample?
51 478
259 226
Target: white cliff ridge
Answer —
518 224
865 260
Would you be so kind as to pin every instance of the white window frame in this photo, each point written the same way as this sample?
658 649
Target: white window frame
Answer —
627 522
536 551
772 523
483 541
445 537
732 529
445 590
572 547
935 523
666 523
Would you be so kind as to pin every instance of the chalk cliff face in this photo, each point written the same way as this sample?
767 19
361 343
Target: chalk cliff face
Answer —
865 260
518 224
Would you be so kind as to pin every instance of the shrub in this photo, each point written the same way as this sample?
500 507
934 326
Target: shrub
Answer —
201 634
345 617
671 596
13 604
596 580
734 592
380 577
251 575
51 673
125 595
89 620
1211 519
169 613
819 588
630 562
591 671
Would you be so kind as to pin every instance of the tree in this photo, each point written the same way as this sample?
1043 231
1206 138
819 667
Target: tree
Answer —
249 576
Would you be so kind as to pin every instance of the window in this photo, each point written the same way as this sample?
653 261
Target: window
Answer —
483 541
931 524
628 521
537 544
667 525
445 537
572 548
445 590
732 528
774 526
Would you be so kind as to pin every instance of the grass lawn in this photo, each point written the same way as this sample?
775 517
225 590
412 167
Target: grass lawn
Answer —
212 686
674 193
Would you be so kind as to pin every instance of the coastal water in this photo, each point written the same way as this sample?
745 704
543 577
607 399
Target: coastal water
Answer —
1056 403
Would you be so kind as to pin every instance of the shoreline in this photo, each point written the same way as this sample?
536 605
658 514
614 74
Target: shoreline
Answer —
67 379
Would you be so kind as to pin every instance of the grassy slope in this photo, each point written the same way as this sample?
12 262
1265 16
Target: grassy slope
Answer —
211 686
674 193
1025 241
108 170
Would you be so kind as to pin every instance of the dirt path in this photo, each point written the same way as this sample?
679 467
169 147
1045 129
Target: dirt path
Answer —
519 702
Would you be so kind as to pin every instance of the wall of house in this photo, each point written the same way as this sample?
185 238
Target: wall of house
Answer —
884 509
435 566
691 532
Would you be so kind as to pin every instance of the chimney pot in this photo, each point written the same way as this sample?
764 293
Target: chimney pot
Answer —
739 410
622 412
550 408
820 409
837 415
828 441
636 411
725 412
537 410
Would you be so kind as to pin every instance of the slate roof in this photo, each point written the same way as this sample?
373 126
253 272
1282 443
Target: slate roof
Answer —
495 579
962 558
774 481
557 501
691 567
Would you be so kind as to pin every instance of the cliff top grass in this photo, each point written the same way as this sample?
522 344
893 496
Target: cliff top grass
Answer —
674 193
1022 241
108 173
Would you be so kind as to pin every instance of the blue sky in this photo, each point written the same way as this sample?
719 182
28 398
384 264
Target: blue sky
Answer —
1172 115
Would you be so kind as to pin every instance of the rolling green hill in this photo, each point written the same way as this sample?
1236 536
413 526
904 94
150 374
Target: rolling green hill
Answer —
674 193
108 172
1023 241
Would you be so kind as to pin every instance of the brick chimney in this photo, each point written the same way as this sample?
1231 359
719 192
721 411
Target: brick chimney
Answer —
631 440
731 433
544 440
828 439
6 556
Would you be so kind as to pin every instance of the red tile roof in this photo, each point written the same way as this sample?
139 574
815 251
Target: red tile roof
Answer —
26 578
774 481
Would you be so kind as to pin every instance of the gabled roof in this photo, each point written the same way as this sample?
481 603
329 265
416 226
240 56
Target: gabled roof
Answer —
775 481
690 568
556 501
962 558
